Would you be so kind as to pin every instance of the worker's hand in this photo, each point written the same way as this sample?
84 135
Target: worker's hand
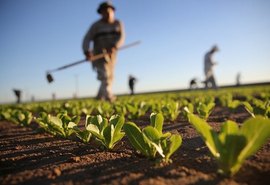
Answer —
88 55
110 51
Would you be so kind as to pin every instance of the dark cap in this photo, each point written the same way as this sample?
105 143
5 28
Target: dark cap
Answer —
215 48
105 5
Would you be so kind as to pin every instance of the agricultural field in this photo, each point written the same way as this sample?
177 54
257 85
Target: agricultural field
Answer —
190 137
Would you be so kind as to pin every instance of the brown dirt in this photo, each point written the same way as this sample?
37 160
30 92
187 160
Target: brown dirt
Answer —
29 156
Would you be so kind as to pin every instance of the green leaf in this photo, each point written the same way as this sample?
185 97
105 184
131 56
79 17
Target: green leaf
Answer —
152 133
249 108
257 131
118 122
108 136
135 137
228 160
232 144
229 127
56 121
157 120
95 131
165 136
175 142
209 136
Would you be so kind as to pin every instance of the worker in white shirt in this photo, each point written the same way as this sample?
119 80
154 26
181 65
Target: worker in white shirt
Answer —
210 81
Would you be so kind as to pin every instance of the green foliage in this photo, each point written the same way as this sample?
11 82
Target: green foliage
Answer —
170 110
61 124
151 140
228 101
5 113
190 107
231 146
258 107
84 135
120 109
136 109
18 116
105 109
204 110
106 132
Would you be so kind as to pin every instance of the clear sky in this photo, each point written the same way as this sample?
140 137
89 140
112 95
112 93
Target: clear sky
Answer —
39 35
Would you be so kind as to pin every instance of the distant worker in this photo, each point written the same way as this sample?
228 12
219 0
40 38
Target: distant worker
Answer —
208 68
193 84
106 34
18 95
131 82
238 76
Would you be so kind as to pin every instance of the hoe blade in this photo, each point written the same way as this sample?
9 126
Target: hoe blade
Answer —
49 77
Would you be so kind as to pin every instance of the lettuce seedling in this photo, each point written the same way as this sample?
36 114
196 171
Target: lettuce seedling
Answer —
105 109
83 135
231 146
60 125
106 132
151 140
190 107
20 117
258 107
5 114
249 108
204 110
136 110
120 109
171 110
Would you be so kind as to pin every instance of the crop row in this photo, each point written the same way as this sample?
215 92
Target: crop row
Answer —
171 106
109 123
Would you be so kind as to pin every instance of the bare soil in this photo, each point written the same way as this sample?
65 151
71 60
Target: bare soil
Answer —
31 156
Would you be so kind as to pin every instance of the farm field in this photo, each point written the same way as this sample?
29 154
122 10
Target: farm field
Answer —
34 154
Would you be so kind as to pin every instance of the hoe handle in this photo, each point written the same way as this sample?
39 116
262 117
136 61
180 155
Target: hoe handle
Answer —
95 57
69 65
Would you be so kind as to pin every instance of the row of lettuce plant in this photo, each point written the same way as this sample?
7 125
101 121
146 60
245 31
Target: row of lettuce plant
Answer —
131 110
148 141
253 106
230 147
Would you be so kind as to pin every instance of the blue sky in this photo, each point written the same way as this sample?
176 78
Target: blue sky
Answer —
38 35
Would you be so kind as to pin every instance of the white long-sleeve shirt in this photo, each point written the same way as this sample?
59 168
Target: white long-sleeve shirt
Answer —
208 64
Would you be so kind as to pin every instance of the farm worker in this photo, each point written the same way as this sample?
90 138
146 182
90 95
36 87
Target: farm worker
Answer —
18 95
208 68
131 83
193 84
106 34
238 77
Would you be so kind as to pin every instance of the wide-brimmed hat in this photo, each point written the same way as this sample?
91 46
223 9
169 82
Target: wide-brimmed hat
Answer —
105 5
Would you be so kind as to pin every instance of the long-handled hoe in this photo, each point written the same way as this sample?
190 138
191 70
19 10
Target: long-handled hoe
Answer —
96 57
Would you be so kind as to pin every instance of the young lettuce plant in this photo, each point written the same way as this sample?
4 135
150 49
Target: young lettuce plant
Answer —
171 110
5 113
204 109
105 109
151 140
106 132
120 109
20 117
60 125
232 145
258 107
136 109
190 107
84 135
